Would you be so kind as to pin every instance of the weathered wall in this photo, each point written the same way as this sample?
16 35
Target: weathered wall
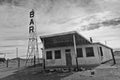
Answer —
55 62
89 60
81 61
107 55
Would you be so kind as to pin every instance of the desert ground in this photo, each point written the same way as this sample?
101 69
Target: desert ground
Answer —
106 71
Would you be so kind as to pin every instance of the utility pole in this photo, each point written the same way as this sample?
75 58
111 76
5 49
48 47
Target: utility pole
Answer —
16 52
105 42
18 59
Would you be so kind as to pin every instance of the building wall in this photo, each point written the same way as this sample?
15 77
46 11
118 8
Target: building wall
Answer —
55 62
81 61
89 60
107 55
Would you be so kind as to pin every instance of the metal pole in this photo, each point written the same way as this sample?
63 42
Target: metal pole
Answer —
34 60
74 41
105 42
18 62
7 63
17 57
16 52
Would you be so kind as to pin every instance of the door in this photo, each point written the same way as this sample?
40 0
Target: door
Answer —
68 57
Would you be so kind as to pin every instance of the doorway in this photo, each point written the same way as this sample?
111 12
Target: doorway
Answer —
68 57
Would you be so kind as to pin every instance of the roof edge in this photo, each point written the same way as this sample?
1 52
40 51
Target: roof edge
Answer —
58 34
64 33
102 45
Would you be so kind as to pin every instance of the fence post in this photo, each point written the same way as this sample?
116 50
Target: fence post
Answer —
34 60
18 62
7 63
44 64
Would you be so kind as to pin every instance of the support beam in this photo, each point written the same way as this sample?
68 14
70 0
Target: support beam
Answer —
43 55
7 64
114 61
75 49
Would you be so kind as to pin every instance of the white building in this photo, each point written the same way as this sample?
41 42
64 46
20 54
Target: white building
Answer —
60 50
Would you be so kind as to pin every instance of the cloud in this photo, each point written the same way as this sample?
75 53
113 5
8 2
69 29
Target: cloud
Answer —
53 16
55 13
112 22
12 38
11 46
107 23
13 2
90 22
111 0
88 5
52 5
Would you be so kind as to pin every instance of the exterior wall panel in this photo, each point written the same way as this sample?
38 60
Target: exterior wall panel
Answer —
81 60
107 55
89 60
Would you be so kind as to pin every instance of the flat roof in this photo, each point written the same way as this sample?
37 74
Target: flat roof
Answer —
58 34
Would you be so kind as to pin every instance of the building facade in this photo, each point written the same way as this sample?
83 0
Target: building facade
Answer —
71 49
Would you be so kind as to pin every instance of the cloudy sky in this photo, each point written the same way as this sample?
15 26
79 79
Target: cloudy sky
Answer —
99 19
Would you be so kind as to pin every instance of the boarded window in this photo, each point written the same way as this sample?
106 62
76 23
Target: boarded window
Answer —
79 52
57 54
89 52
48 54
101 51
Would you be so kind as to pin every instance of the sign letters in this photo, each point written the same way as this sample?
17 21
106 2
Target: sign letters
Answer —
31 22
32 14
31 28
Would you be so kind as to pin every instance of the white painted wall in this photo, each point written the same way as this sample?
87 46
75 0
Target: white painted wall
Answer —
107 55
81 61
55 62
97 59
89 60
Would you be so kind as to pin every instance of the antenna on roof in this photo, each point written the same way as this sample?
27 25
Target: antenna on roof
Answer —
105 42
91 40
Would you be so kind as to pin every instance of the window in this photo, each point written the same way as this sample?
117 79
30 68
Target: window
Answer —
57 54
89 52
48 54
79 52
101 51
67 50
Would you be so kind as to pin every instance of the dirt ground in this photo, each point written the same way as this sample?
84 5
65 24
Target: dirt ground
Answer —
35 74
102 72
12 72
12 67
